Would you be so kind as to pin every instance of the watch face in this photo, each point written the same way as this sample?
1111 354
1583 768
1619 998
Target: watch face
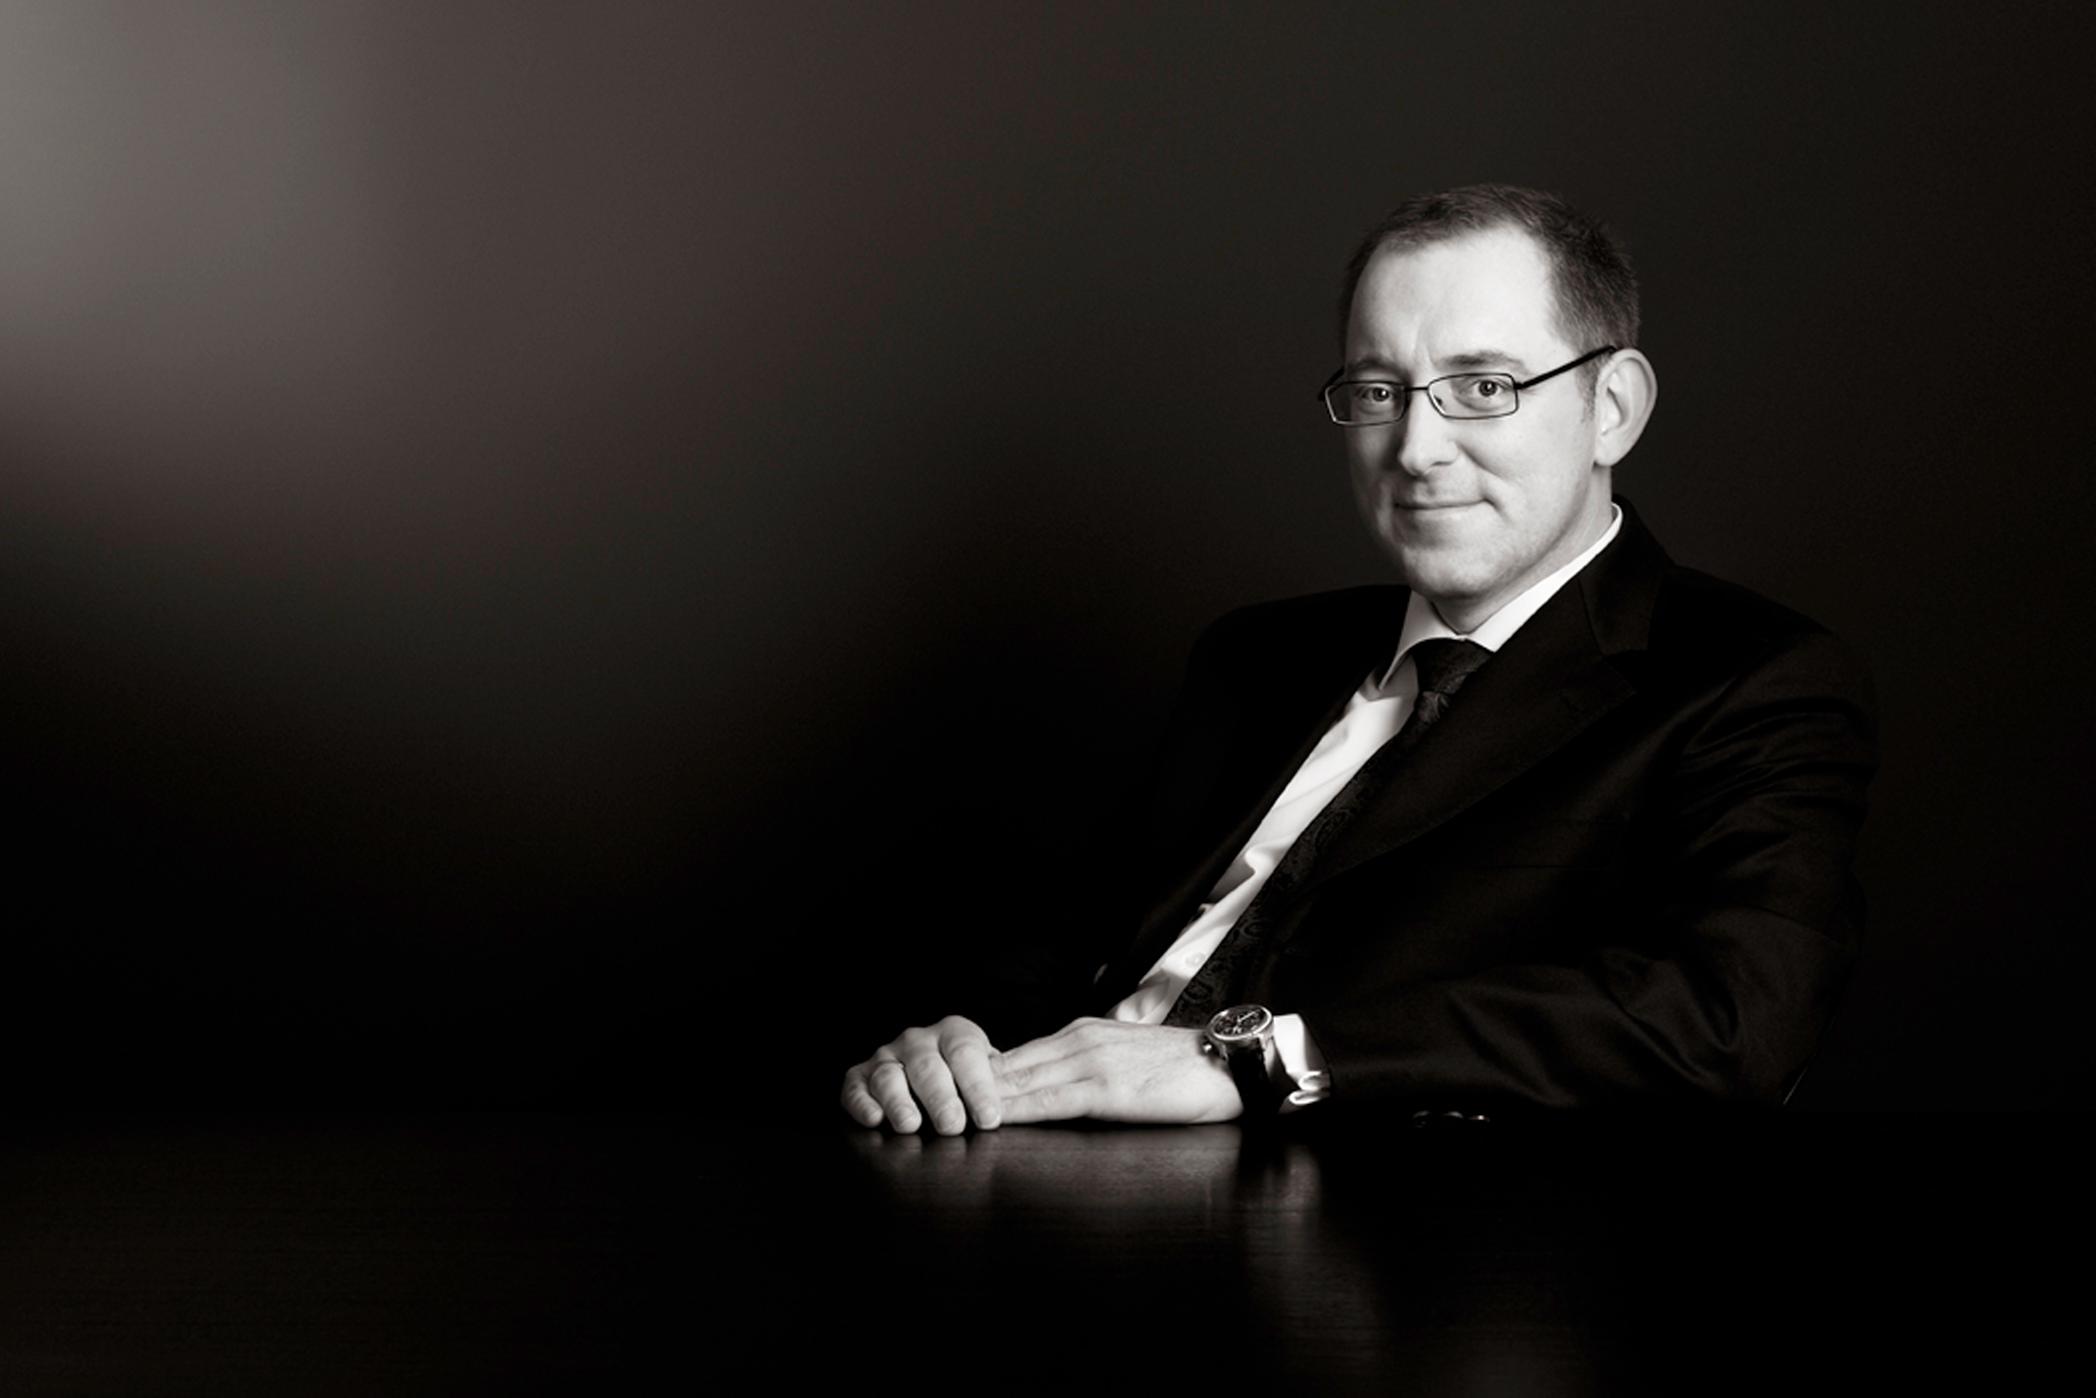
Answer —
1240 1022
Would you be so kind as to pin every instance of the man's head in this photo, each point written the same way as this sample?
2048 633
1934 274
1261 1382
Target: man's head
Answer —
1506 281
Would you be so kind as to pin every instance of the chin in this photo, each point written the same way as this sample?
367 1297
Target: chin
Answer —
1436 572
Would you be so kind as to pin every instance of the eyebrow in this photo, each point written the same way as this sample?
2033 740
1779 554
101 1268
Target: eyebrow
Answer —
1485 359
1466 362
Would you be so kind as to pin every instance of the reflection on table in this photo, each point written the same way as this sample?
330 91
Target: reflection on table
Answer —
499 1254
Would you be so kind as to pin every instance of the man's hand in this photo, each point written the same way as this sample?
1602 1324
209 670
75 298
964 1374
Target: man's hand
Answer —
945 1072
1111 1071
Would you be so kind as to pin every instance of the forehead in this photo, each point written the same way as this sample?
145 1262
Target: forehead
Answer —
1489 290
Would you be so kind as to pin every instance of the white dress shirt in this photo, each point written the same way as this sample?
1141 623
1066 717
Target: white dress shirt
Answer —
1371 718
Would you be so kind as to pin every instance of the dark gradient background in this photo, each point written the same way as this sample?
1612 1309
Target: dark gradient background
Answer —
578 553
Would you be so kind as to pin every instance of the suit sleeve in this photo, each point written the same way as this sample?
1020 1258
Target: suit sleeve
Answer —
1729 948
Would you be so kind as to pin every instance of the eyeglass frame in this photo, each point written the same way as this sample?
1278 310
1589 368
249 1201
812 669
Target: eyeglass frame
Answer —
1405 392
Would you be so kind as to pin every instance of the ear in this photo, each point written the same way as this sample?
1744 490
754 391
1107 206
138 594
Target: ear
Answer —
1624 395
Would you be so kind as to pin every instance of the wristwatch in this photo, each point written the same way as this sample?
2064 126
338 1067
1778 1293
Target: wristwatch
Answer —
1243 1037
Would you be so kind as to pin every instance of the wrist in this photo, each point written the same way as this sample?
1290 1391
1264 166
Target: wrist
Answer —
1242 1039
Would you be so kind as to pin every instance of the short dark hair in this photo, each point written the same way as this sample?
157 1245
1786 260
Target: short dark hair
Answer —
1596 290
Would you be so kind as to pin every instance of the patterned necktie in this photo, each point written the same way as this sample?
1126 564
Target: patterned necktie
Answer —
1444 666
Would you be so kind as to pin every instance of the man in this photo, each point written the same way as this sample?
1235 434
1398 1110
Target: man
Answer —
1557 823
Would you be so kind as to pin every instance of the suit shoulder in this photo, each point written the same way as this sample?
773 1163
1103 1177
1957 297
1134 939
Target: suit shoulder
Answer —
1705 623
1694 598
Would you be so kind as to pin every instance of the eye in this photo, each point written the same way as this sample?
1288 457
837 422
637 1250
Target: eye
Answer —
1376 394
1482 393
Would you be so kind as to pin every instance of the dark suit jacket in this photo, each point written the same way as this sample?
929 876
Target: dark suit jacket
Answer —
1620 869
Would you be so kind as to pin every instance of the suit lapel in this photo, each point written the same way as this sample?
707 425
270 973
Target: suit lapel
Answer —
1277 712
1549 683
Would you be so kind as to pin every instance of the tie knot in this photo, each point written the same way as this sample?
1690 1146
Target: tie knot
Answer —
1444 664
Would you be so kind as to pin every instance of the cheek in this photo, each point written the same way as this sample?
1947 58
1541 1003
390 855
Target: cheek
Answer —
1521 488
1362 455
1363 478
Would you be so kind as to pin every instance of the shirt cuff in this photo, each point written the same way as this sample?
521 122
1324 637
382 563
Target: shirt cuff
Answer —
1302 1062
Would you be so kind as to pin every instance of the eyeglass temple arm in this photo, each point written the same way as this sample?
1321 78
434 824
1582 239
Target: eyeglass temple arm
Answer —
1560 369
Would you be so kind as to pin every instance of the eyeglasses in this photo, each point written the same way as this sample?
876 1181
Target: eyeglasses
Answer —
1380 402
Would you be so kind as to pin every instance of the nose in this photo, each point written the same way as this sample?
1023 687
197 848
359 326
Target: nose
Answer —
1424 440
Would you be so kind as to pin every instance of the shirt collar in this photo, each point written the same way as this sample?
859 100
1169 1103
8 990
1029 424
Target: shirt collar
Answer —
1423 623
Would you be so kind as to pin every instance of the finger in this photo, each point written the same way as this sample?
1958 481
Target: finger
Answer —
970 1063
1047 1049
1022 1078
932 1082
858 1103
890 1086
1063 1101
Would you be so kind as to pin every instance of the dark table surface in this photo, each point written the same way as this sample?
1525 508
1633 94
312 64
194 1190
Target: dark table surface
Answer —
537 1253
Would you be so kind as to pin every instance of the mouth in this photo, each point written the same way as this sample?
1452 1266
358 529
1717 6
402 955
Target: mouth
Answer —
1432 507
